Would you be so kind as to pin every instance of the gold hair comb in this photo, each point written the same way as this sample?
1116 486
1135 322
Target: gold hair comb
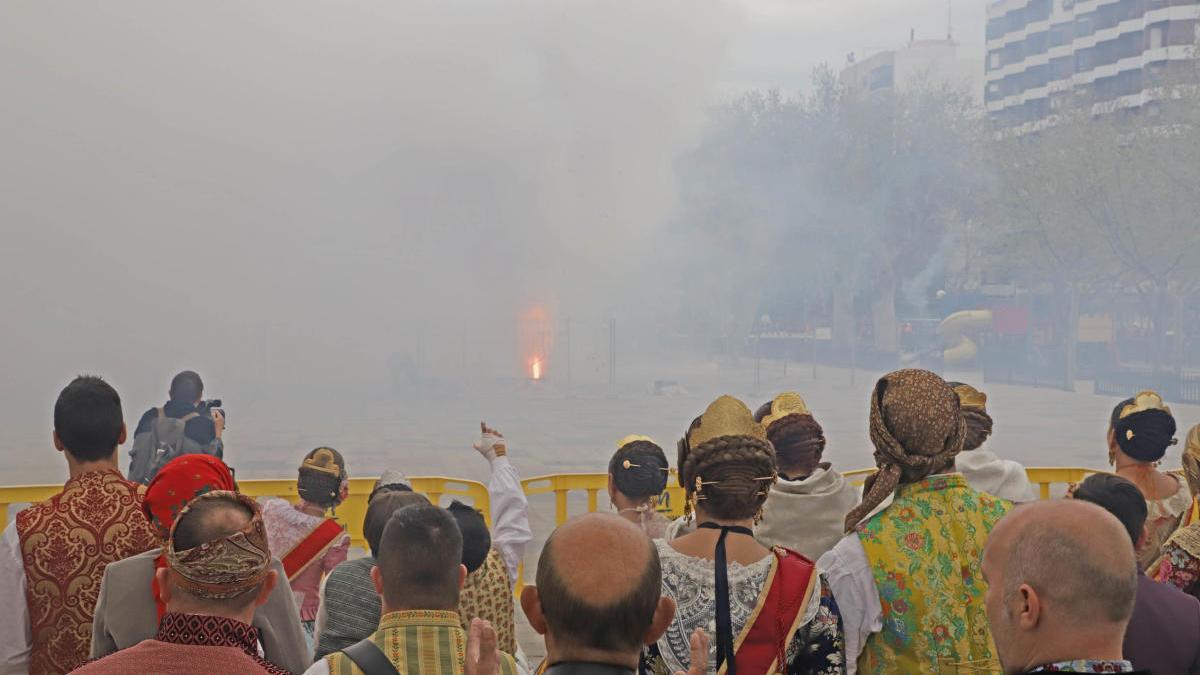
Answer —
1146 400
322 460
788 403
970 397
726 416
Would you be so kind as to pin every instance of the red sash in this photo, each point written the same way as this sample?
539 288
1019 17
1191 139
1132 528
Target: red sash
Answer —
311 547
762 644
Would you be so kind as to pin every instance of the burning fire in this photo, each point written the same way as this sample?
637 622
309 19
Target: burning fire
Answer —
535 339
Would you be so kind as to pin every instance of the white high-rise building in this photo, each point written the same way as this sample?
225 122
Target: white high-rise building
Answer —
1046 55
934 62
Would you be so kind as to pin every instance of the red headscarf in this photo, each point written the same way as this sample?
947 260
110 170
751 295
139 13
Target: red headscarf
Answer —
179 482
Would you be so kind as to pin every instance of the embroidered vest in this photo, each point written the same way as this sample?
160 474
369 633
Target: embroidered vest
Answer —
419 641
488 595
66 542
925 551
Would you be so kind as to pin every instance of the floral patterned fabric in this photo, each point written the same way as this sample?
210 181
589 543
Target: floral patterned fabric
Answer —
925 551
1178 567
66 542
488 595
1086 666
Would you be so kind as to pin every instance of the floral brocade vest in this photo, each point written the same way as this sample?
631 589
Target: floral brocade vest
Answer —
66 542
925 551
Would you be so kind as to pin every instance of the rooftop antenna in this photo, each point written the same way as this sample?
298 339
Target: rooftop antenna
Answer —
950 20
912 35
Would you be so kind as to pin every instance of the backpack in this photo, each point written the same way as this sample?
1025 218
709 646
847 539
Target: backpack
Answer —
164 442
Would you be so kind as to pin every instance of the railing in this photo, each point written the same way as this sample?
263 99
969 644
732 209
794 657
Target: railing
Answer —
586 486
350 513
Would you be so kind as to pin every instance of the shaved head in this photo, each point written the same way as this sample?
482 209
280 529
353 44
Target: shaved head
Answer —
1059 573
599 582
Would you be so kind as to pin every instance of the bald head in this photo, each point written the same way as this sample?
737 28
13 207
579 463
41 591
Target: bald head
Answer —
1076 555
1061 582
599 584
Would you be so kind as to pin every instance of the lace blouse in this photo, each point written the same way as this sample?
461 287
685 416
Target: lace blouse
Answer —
815 648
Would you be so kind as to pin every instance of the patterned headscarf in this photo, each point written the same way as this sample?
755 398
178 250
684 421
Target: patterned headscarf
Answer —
917 430
179 482
227 567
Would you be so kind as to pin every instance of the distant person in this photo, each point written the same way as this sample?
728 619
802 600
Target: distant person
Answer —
1163 632
906 576
218 571
598 600
129 607
765 605
180 427
306 540
53 554
418 572
637 476
983 469
1140 431
808 504
1179 563
1061 580
487 592
350 609
390 480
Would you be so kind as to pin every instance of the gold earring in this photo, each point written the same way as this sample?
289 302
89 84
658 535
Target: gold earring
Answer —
758 517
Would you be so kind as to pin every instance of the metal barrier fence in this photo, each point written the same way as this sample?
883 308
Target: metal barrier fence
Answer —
581 489
350 513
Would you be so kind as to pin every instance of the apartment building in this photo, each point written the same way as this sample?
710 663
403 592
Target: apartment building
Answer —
1046 55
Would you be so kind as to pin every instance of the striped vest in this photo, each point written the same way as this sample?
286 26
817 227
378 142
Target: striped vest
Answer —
419 641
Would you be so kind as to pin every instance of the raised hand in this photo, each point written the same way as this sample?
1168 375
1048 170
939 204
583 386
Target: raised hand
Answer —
699 650
483 654
491 442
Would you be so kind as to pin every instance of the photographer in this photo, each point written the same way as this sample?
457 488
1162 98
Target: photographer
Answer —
184 425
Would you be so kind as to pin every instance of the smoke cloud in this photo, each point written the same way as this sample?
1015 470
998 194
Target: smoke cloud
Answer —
301 200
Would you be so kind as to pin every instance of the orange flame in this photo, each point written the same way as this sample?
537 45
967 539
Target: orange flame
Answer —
535 369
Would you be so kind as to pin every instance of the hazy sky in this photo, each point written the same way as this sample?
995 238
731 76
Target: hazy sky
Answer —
302 199
782 40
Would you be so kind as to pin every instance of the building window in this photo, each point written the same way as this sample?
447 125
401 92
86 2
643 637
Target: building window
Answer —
993 60
1158 34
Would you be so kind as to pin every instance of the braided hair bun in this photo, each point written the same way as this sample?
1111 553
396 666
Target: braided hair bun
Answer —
797 439
979 428
735 466
321 476
639 469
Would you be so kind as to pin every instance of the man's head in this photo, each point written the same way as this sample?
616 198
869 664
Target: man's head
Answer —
218 562
88 424
380 510
186 387
598 596
477 541
1119 497
419 561
1061 580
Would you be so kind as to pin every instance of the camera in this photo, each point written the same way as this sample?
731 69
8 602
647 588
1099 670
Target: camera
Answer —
211 405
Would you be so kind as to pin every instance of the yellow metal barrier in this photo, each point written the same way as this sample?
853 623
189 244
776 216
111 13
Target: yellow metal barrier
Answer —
350 513
594 484
1042 476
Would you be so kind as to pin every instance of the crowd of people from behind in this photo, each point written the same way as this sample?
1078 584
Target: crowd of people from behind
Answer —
943 562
